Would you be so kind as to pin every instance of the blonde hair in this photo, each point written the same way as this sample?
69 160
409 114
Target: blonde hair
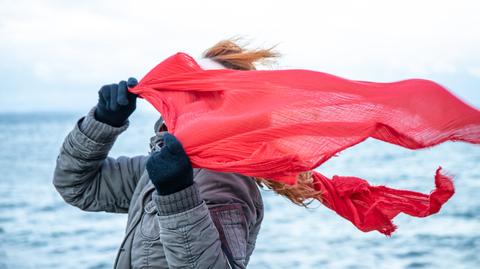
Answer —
233 55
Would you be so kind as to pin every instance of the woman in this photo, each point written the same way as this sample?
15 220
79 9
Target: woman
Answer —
177 216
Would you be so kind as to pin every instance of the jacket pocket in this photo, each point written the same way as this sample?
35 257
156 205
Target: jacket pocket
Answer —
231 225
149 226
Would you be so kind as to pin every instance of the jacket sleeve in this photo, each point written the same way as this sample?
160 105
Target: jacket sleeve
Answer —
86 178
211 232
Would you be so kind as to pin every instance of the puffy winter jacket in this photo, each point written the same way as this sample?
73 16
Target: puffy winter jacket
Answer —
212 224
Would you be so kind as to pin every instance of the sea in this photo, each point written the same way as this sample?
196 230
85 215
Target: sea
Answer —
39 230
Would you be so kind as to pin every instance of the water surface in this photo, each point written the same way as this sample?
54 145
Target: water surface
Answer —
39 230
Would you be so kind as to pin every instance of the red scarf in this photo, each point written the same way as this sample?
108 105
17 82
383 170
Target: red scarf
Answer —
277 124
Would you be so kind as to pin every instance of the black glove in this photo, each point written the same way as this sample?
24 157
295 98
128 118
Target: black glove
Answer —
169 169
116 103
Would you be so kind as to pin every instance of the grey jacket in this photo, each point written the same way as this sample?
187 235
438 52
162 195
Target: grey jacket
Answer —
212 224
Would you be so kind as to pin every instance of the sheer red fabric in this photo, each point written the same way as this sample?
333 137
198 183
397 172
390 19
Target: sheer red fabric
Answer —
277 124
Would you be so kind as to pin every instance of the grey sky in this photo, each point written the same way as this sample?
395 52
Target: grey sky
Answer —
55 55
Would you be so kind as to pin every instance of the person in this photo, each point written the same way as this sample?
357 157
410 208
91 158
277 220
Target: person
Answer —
178 216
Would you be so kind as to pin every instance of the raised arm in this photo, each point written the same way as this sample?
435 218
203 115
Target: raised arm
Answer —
217 230
84 174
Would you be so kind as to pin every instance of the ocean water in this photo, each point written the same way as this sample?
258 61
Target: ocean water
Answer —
39 230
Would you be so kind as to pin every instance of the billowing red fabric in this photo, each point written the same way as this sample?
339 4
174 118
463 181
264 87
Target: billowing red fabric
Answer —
277 124
373 207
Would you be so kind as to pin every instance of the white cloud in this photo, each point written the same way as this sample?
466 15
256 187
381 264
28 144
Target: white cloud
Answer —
43 71
97 42
475 71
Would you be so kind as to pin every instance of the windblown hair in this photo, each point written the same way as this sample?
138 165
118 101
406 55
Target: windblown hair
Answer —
233 55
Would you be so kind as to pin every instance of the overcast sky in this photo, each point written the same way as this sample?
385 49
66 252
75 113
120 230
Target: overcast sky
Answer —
55 55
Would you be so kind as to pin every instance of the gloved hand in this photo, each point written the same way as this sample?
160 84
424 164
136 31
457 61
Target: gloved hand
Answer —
116 103
169 169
